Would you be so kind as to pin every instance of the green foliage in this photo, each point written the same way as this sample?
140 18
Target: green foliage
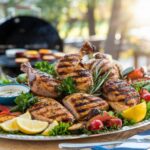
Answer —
46 67
98 81
148 111
24 101
141 84
67 86
61 129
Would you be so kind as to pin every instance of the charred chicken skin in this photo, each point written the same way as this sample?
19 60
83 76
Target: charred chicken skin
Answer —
80 104
41 83
48 109
120 95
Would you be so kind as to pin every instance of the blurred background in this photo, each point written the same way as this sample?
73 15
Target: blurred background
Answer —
118 27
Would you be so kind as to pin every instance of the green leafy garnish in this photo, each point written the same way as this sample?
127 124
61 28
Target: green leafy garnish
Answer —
98 81
148 111
46 67
141 84
24 101
67 86
61 129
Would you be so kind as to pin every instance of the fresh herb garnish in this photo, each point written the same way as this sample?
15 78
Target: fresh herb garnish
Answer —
67 86
148 111
140 84
98 81
24 101
46 67
61 129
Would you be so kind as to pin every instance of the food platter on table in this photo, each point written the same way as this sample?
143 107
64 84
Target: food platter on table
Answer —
82 95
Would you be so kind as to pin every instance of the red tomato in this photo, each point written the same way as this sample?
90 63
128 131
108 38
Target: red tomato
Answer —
146 97
96 125
103 117
143 92
114 122
4 110
136 74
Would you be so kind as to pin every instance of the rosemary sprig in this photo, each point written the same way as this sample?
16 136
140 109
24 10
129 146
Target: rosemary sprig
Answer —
98 81
67 86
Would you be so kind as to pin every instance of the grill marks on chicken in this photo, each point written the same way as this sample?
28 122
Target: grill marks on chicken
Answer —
48 109
80 104
103 63
120 94
41 83
69 66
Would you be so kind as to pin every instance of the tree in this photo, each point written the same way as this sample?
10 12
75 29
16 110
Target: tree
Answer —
114 24
90 16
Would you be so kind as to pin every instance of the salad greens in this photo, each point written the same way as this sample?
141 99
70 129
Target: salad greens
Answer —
67 86
61 129
24 101
148 111
46 67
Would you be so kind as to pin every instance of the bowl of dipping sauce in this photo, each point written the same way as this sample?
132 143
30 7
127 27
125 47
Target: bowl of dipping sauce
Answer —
8 93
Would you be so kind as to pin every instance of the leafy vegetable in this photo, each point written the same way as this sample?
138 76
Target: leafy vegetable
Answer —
4 80
141 84
24 101
61 129
46 67
98 81
67 86
148 111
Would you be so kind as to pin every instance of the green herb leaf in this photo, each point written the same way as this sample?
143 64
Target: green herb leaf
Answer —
98 81
67 86
61 129
46 67
24 101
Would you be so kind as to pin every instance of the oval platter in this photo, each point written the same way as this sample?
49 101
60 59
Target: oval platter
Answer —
126 129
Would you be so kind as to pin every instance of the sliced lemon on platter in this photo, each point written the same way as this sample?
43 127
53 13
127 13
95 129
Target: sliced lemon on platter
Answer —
136 113
31 126
26 115
50 127
11 125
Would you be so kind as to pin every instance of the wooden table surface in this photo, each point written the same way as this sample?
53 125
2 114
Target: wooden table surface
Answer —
53 145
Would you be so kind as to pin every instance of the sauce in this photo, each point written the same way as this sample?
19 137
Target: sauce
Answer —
10 93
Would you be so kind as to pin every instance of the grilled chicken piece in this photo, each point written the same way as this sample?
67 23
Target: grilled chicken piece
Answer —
69 66
48 109
120 94
80 104
103 63
41 83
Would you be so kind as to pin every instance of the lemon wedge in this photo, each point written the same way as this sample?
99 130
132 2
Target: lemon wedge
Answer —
31 126
11 125
50 127
136 113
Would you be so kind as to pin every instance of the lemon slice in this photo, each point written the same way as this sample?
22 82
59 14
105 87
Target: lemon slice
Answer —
26 115
50 127
11 125
31 126
136 113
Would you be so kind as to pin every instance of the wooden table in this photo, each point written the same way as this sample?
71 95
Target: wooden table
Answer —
48 145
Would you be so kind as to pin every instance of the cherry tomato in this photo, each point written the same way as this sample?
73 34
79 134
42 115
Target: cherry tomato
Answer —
136 74
103 117
143 92
96 125
114 122
4 110
146 97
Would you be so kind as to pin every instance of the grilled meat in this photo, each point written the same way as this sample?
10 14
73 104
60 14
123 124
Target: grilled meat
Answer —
48 109
80 104
69 66
103 63
120 94
41 83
